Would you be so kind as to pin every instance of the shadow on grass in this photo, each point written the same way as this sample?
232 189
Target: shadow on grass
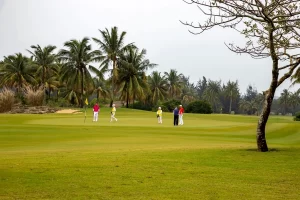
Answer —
270 150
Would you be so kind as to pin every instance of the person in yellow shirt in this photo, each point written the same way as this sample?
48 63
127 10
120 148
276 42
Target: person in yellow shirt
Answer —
159 115
112 113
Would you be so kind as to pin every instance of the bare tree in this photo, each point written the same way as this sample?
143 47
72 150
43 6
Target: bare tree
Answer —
271 29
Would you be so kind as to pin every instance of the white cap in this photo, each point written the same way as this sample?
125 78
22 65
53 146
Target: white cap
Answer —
180 105
159 108
113 105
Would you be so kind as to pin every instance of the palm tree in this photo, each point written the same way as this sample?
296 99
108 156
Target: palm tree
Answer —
1 73
132 74
188 91
249 107
101 88
201 86
44 58
294 100
243 105
158 87
212 93
16 71
284 100
75 60
100 84
174 82
259 100
45 61
112 45
231 91
72 96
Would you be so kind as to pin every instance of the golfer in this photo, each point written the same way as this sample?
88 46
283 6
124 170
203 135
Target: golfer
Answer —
112 113
181 111
159 115
96 110
176 112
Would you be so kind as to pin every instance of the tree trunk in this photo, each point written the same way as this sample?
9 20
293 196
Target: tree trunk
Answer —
230 103
285 109
81 97
261 126
264 116
49 88
57 95
133 99
43 79
127 99
113 82
269 95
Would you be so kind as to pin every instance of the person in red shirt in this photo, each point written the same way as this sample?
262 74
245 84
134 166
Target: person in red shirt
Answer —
96 110
181 111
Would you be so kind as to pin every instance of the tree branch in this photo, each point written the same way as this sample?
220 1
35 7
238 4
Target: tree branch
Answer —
289 73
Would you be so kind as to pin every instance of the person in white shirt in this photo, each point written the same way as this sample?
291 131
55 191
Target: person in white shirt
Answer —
181 111
96 109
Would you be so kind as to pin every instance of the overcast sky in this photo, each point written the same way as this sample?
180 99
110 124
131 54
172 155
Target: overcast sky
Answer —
153 25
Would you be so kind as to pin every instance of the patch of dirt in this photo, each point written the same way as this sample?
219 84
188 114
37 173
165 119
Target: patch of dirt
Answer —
40 110
32 109
68 111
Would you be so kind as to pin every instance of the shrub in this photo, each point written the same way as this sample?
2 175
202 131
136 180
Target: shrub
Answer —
297 116
141 106
7 99
100 101
163 108
170 105
92 103
60 102
34 97
199 107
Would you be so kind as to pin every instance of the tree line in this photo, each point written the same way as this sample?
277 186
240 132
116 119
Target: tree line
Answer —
118 71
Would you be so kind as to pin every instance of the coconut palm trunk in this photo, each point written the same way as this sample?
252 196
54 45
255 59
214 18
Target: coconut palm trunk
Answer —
113 85
230 102
82 85
49 91
19 85
127 99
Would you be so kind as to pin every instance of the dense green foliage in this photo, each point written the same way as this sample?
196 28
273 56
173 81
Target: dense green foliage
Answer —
119 73
297 116
58 156
170 105
199 107
141 106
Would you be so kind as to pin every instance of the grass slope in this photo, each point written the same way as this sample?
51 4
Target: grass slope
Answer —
58 156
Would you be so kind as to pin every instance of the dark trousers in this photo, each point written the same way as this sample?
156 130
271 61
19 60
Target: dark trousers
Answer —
175 120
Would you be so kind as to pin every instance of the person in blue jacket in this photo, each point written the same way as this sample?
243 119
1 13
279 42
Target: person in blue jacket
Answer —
176 114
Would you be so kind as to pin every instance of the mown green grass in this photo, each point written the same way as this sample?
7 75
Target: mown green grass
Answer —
58 156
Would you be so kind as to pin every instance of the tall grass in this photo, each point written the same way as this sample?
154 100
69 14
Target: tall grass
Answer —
34 97
7 98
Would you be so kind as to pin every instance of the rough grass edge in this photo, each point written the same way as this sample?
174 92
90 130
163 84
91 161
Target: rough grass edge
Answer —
7 99
34 97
